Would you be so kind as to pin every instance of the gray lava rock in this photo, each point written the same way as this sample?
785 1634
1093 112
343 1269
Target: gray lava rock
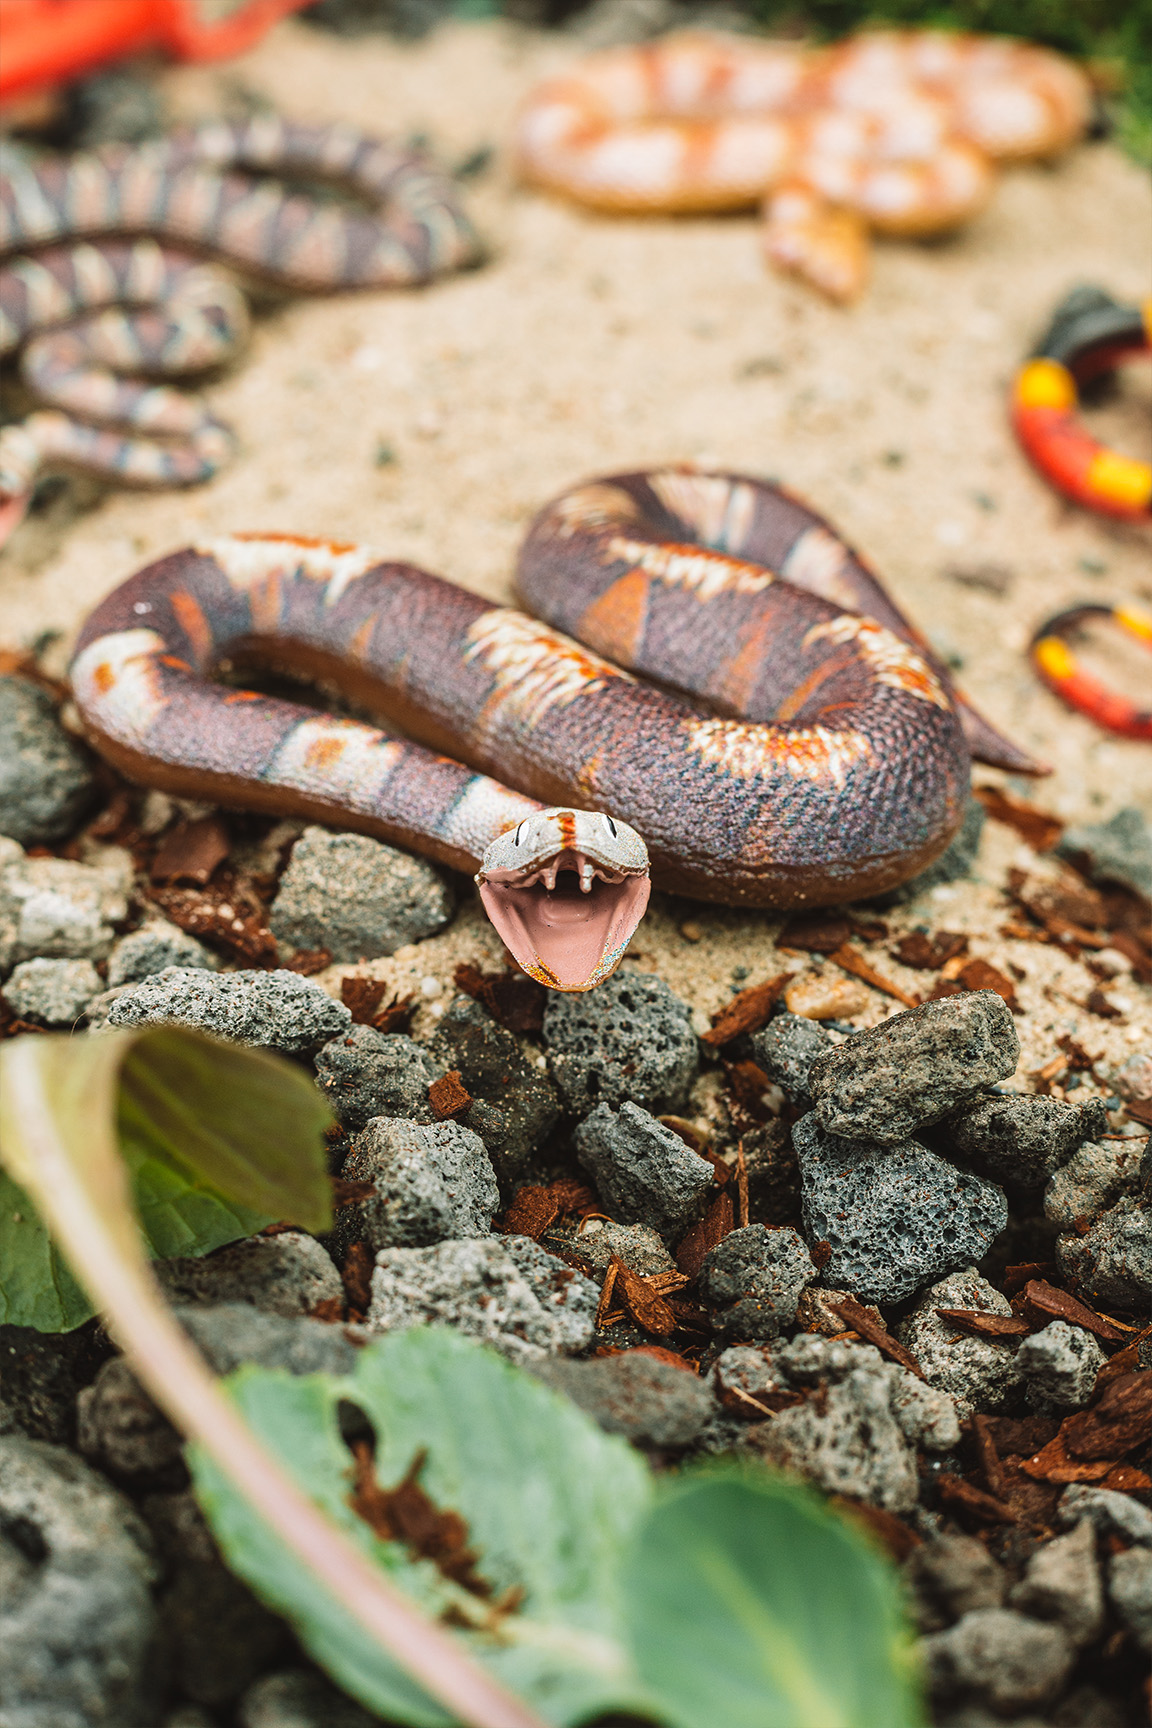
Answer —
1130 1589
786 1049
508 1292
300 1698
432 1183
1119 850
289 1274
978 1373
1093 1179
916 1068
120 1429
950 1576
53 909
153 948
356 897
742 1374
55 992
628 1041
273 1010
644 1172
76 1614
999 1658
365 1073
650 1402
1061 1582
1111 1514
1059 1367
893 1216
754 1278
234 1333
46 782
1112 1264
1022 1138
515 1106
637 1245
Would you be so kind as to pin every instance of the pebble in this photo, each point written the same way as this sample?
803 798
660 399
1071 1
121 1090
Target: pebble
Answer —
650 1402
53 909
288 1274
154 947
1022 1138
979 1374
637 1245
55 992
1112 1265
1112 1514
997 1657
1119 850
825 995
915 1068
745 1372
894 1216
1059 1367
365 1073
786 1049
76 1613
644 1172
1093 1179
1130 1591
272 1010
515 1106
433 1182
1134 1079
300 1698
628 1041
356 897
46 781
754 1278
506 1291
950 1576
1061 1583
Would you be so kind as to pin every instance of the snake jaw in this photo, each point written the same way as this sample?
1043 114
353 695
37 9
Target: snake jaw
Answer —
565 890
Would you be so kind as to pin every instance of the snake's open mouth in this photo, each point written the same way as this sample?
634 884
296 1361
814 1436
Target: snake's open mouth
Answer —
565 890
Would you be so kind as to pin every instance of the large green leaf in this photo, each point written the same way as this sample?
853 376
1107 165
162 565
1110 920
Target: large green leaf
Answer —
750 1605
218 1141
550 1503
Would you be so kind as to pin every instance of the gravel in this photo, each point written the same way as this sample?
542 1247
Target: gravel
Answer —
628 1041
644 1172
288 1274
1130 1591
1093 1179
507 1292
650 1402
637 1245
786 1049
893 1216
1111 1514
53 909
1112 1264
356 897
272 1010
153 948
300 1698
432 1183
917 1067
1023 1139
1059 1367
54 992
76 1614
46 782
978 1373
365 1073
1061 1583
753 1278
997 1657
950 1576
515 1104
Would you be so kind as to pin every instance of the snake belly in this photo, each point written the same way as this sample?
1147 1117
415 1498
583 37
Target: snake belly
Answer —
799 752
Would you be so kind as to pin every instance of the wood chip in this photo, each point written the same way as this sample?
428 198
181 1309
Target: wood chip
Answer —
330 1309
1054 1464
746 1012
955 1491
396 1016
851 961
345 1193
362 997
988 1457
748 1085
1139 1110
979 975
1125 1361
406 1514
513 1000
1020 1436
1119 1421
226 915
897 1538
1037 827
873 1331
645 1304
929 953
1044 1302
357 1279
607 1290
532 1210
1016 1276
815 933
741 1188
191 852
448 1096
1127 1479
716 1223
308 961
980 1324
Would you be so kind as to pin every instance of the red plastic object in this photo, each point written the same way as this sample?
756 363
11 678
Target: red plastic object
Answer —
48 42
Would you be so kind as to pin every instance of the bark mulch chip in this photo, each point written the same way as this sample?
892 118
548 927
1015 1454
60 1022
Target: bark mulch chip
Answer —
357 1279
747 1012
1037 827
227 914
514 1001
449 1096
711 1230
857 1319
191 852
928 953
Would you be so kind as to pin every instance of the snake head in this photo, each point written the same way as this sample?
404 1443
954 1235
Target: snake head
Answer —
565 890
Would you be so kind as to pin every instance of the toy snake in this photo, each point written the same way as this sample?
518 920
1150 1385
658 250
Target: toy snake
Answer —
1054 658
82 308
804 748
895 131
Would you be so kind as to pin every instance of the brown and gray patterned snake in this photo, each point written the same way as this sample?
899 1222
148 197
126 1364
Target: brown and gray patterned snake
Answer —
803 748
81 308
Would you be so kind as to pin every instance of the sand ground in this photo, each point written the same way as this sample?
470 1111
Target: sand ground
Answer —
434 424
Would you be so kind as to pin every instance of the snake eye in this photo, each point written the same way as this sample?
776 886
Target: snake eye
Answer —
516 836
611 825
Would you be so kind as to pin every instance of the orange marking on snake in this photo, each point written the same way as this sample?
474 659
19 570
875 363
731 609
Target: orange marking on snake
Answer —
190 616
614 623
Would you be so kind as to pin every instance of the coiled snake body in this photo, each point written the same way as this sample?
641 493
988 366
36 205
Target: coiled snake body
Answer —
82 307
805 749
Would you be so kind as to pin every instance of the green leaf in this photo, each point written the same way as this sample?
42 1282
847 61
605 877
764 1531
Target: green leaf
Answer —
550 1503
218 1141
750 1605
